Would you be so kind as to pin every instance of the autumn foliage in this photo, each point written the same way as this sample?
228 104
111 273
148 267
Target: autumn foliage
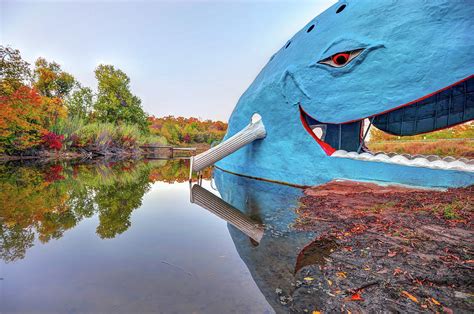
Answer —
21 119
179 130
53 141
45 108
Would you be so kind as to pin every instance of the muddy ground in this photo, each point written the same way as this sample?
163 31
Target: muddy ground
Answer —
388 249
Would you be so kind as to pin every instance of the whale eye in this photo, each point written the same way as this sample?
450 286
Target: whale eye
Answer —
341 59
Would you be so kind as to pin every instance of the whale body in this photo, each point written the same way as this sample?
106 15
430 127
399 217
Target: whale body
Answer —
404 66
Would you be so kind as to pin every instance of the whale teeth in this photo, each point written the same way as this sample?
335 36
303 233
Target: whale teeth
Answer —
432 161
339 153
381 157
433 157
449 159
353 154
399 159
365 156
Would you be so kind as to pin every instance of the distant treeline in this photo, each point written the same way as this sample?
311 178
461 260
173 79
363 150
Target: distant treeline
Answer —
179 130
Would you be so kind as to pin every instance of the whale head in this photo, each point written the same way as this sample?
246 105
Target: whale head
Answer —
406 66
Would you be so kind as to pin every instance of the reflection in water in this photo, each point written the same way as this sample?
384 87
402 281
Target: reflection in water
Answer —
277 263
232 215
167 256
47 200
115 237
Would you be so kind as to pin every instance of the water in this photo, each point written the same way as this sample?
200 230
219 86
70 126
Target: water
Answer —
124 237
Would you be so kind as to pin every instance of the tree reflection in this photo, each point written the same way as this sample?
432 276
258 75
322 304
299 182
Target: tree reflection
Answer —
115 205
44 202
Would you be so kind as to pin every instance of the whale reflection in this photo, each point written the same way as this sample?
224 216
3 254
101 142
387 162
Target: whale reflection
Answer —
260 216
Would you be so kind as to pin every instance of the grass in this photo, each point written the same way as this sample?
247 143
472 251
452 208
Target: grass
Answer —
457 141
440 147
462 131
450 211
103 136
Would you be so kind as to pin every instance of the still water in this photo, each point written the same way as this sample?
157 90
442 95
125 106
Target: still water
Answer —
135 237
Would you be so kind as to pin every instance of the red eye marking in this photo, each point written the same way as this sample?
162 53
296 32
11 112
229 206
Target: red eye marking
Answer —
340 58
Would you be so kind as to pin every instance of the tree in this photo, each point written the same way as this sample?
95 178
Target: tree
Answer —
54 85
80 102
115 102
51 81
14 71
21 119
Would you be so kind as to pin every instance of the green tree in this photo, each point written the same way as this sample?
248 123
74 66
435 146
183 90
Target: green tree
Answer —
80 102
51 81
14 71
115 102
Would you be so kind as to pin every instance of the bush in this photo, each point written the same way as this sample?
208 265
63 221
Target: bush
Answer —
104 136
97 135
52 141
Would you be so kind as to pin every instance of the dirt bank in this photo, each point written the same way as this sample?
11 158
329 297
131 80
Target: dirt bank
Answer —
393 249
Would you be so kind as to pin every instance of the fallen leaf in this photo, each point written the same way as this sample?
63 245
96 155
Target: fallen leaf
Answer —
391 254
308 278
356 297
435 301
411 297
316 312
447 310
329 282
341 274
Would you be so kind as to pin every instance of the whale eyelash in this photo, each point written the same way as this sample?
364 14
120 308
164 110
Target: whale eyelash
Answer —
341 59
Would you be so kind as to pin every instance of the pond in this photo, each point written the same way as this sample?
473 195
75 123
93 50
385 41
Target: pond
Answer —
136 237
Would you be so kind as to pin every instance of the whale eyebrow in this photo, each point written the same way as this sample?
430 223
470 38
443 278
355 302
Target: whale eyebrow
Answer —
347 43
344 44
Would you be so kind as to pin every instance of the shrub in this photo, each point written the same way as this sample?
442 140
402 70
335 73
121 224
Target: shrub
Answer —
52 141
97 135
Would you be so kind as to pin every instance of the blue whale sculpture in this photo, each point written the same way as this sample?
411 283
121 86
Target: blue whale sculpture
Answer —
406 66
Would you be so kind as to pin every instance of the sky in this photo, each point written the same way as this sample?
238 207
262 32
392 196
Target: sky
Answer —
184 58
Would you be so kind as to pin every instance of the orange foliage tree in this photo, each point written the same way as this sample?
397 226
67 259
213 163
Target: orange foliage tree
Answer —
27 112
21 119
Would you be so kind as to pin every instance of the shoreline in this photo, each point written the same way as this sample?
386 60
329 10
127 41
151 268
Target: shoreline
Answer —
69 155
402 249
113 153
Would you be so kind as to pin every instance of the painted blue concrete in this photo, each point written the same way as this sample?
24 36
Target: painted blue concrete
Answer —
412 49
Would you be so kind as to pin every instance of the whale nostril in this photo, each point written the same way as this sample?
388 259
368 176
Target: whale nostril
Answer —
341 8
310 28
288 44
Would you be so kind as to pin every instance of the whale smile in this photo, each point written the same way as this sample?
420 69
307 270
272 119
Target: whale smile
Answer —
444 108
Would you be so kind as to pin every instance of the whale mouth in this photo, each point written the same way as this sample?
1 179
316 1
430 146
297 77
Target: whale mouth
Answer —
442 109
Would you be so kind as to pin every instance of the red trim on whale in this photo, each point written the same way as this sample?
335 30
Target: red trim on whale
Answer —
328 149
